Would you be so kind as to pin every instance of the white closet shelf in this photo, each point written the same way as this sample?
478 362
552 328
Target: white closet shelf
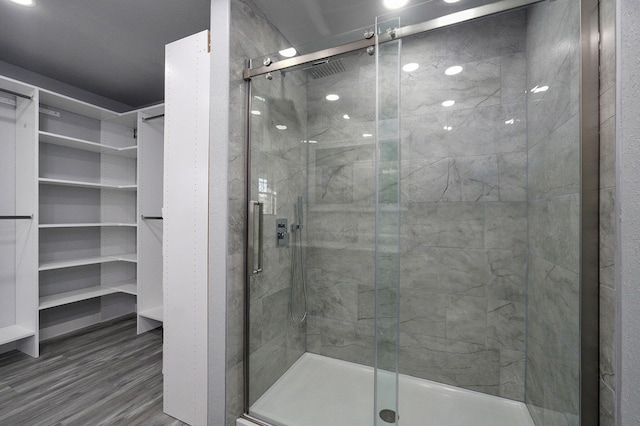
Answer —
69 142
60 264
153 313
80 184
129 287
13 333
67 297
85 225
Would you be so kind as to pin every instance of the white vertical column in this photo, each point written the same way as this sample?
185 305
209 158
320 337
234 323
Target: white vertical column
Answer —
185 229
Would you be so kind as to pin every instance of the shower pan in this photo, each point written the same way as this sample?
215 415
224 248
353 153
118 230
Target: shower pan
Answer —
437 177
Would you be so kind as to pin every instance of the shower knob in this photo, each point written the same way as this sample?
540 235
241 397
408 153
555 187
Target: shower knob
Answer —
267 62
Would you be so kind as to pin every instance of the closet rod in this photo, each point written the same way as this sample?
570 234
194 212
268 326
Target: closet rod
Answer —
151 217
20 95
15 217
153 117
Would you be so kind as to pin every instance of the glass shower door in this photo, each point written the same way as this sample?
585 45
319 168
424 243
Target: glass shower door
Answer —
277 189
387 262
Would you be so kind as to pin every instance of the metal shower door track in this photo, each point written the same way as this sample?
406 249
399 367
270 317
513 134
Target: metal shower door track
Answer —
409 30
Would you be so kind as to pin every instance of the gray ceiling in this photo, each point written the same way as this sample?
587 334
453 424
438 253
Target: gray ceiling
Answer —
115 48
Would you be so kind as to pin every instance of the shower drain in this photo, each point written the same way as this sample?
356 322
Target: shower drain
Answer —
388 416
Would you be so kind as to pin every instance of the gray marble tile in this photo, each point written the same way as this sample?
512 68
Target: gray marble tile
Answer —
607 105
266 365
330 299
513 78
463 272
475 131
552 64
275 316
443 225
485 377
235 392
447 361
425 357
345 341
607 238
478 178
512 367
608 153
466 319
338 224
607 44
423 312
488 38
430 180
420 269
512 176
506 325
554 293
477 85
554 164
340 265
607 336
607 406
554 230
427 49
366 304
508 275
506 226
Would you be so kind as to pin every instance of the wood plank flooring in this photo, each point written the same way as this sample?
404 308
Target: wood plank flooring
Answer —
102 375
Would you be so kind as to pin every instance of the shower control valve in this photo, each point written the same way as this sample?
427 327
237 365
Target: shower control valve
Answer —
282 235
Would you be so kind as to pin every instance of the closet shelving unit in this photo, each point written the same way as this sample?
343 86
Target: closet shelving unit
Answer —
150 124
88 184
18 217
75 171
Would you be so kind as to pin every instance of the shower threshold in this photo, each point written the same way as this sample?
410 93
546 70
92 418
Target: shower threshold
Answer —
321 391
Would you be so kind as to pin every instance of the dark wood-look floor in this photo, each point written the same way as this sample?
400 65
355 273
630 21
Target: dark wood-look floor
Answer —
102 375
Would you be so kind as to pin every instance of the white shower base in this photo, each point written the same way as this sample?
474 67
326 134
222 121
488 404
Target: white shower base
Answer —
322 391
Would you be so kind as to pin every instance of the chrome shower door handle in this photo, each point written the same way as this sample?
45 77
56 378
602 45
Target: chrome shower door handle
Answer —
253 205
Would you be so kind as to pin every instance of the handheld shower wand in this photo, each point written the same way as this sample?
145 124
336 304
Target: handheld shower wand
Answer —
298 267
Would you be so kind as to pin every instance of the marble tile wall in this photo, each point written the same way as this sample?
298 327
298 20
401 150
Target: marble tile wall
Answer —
341 219
463 196
607 221
553 332
275 342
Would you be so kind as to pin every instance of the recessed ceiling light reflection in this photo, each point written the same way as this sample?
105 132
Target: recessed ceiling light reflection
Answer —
288 53
27 3
540 89
410 67
451 1
448 103
394 4
332 97
260 98
281 127
448 128
256 112
367 135
456 69
512 121
309 141
346 117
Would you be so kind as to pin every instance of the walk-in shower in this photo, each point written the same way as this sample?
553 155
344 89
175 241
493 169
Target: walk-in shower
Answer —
437 176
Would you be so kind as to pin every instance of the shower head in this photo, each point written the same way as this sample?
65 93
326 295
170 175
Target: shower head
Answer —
325 68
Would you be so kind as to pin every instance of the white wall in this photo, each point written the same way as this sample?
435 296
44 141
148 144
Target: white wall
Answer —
628 212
